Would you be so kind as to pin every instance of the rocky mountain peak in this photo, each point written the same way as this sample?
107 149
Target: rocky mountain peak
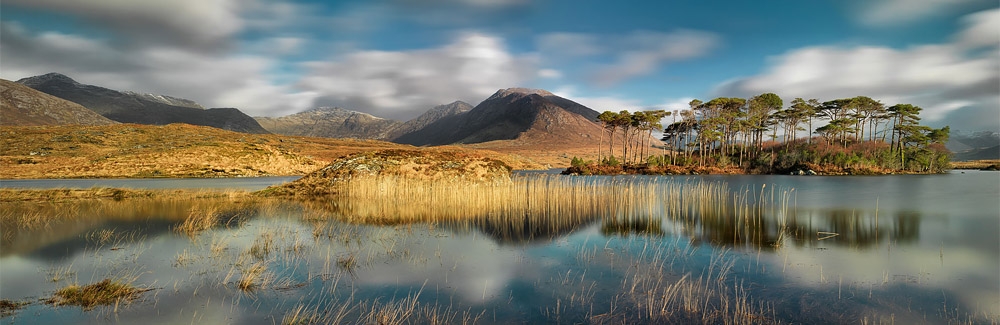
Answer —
519 91
164 99
47 78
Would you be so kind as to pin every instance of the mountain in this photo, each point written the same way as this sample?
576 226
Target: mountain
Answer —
164 99
22 105
331 122
131 107
974 146
529 116
433 115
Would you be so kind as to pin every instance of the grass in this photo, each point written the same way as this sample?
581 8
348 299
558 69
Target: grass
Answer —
104 193
976 164
253 277
175 150
9 307
105 292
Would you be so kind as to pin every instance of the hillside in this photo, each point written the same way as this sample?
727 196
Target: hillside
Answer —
433 115
21 105
175 150
330 122
974 146
131 107
527 115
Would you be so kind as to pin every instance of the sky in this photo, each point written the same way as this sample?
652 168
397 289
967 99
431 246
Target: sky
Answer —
398 58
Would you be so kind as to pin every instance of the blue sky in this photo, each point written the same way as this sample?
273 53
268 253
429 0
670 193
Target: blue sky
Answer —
398 58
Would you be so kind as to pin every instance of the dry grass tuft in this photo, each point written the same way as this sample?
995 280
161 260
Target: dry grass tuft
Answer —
9 307
106 292
199 220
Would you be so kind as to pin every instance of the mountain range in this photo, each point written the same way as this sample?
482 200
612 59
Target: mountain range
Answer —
132 107
511 118
514 114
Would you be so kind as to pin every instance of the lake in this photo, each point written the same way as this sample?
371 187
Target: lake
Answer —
544 249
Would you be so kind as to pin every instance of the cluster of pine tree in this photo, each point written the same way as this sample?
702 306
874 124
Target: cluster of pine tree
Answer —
858 135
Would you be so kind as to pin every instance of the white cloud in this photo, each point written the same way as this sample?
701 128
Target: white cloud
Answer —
568 44
212 80
279 46
599 103
897 12
645 52
198 22
549 74
983 29
195 24
636 54
403 84
940 78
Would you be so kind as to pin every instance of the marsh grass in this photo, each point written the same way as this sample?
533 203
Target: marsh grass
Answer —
105 292
63 273
9 307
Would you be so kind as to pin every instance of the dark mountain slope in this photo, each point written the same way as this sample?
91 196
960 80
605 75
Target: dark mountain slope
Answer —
21 105
131 107
512 114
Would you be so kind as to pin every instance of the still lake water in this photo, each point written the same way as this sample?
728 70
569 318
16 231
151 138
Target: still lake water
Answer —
907 249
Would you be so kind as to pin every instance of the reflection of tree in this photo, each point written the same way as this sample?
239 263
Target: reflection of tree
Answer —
633 226
544 208
762 228
907 226
524 231
853 228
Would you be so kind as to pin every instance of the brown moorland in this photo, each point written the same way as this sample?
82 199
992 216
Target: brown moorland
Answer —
176 150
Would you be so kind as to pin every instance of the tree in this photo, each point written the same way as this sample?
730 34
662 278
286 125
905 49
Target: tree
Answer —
904 116
761 110
839 110
608 119
800 110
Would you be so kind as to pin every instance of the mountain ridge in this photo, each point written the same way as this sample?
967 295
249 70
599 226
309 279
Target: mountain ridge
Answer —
132 107
330 122
512 114
23 105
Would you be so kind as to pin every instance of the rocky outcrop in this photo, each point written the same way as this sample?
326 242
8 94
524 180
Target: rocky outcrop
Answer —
442 165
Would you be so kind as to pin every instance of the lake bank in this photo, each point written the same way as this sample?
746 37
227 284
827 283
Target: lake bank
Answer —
800 169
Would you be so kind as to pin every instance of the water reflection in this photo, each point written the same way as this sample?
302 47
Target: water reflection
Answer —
542 250
51 231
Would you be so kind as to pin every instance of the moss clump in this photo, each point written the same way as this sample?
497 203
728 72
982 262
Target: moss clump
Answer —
106 292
